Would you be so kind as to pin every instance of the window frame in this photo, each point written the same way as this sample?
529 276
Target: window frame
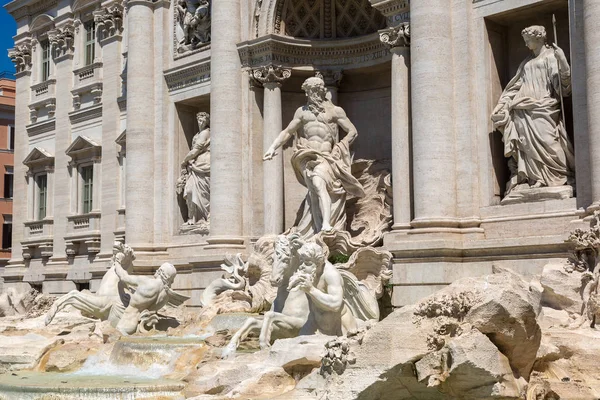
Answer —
89 42
45 59
38 196
86 188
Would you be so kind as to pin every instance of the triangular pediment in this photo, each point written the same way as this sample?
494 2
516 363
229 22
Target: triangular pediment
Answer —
83 146
122 139
38 156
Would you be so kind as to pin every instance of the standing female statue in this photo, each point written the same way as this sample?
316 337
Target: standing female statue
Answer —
194 182
529 117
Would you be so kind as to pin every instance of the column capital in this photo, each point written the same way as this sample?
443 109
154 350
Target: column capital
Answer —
271 75
21 56
331 77
109 20
398 36
62 40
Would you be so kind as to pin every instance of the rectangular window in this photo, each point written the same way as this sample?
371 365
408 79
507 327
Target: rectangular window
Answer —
42 189
87 176
45 59
6 235
8 186
11 137
90 42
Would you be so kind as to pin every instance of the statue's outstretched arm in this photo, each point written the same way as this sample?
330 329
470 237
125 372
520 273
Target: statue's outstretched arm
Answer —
284 136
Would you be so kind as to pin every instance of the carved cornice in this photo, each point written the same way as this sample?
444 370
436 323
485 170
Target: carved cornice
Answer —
188 75
271 74
41 127
390 7
290 52
21 57
85 114
20 9
109 20
61 40
398 36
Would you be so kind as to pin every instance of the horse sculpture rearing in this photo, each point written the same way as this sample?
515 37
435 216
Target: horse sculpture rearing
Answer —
289 311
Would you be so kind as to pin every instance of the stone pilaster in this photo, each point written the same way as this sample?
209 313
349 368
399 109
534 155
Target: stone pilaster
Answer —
398 38
21 56
110 43
226 200
591 22
63 74
432 104
140 125
272 78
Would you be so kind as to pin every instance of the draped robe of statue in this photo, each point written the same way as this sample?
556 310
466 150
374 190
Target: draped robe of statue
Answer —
197 186
334 168
533 131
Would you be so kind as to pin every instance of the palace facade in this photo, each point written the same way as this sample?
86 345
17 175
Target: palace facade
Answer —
108 93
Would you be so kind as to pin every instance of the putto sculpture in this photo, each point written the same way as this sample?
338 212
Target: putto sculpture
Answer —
130 302
322 162
194 182
530 119
193 22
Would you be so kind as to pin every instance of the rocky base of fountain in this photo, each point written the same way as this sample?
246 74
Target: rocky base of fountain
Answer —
496 336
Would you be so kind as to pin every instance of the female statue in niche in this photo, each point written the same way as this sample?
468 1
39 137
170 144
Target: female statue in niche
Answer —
194 181
530 119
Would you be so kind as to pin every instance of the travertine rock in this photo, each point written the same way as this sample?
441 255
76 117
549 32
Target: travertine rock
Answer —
562 288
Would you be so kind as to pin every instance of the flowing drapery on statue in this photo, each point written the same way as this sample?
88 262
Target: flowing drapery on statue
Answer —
194 183
321 161
529 117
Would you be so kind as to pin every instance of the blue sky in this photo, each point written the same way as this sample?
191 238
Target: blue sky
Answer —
8 29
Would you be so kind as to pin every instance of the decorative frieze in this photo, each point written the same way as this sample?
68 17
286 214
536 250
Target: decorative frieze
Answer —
290 52
21 57
398 36
62 40
188 75
109 20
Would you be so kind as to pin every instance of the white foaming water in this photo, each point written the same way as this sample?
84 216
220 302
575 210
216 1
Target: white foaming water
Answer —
100 365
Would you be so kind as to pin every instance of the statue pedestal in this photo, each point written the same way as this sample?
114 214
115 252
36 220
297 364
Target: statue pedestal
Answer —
201 228
529 195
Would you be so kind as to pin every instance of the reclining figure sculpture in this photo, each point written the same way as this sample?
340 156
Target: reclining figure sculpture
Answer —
129 302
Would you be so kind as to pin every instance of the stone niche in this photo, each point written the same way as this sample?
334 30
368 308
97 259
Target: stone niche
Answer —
507 51
365 96
186 126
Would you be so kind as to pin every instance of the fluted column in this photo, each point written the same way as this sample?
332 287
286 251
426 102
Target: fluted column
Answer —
591 22
226 200
140 125
432 98
398 38
272 78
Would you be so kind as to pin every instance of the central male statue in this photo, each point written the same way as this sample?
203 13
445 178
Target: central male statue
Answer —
321 161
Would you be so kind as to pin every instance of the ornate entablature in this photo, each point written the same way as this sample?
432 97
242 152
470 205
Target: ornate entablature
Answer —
18 11
291 52
191 27
188 75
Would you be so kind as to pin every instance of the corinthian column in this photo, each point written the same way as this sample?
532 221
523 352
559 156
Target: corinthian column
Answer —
272 78
398 38
591 22
432 95
139 223
226 201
